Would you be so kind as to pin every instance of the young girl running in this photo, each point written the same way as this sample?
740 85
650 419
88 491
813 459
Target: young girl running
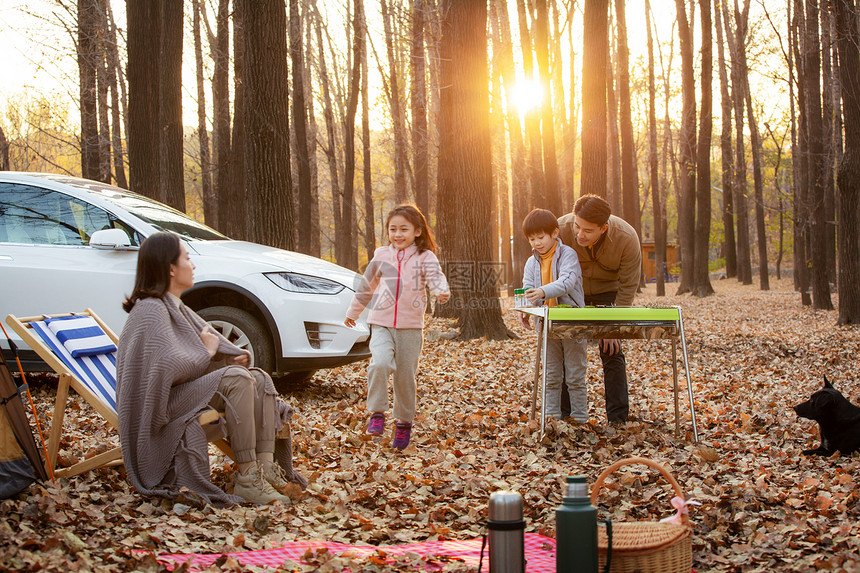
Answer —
395 281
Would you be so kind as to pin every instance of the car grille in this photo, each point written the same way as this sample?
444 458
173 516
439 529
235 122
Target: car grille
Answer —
319 336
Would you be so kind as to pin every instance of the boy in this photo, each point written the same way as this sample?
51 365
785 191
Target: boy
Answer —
551 277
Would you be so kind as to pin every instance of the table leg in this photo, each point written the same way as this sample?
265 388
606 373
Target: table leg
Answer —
687 369
545 323
537 377
675 386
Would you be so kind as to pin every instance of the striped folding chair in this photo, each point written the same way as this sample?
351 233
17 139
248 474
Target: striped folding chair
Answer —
82 350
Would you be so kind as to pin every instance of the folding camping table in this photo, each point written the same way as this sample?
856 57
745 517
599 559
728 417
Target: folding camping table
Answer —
643 323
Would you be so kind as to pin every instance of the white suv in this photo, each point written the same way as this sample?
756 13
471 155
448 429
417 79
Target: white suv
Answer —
67 244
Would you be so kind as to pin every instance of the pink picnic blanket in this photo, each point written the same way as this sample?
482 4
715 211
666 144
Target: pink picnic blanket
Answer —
539 553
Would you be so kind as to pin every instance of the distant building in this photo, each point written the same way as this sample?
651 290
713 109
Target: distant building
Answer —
670 270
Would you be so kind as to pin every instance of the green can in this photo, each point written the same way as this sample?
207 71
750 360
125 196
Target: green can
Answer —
520 298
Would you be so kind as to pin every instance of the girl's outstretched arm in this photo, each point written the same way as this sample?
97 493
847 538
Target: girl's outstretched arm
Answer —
364 293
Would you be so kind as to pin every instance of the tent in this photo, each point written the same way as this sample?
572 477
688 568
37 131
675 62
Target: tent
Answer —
20 462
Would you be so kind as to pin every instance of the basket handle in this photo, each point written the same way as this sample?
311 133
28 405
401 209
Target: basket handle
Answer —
650 463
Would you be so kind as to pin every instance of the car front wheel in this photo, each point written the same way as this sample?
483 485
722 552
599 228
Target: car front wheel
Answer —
244 330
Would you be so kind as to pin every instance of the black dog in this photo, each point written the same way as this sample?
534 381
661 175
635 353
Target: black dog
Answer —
838 419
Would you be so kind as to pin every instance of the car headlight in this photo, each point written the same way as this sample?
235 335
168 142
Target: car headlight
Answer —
307 284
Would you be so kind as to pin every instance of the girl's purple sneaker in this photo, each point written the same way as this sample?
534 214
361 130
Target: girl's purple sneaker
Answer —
402 434
376 424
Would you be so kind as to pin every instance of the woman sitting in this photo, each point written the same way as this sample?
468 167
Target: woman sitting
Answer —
167 375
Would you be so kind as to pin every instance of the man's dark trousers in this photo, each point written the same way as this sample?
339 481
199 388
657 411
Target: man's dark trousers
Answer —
614 372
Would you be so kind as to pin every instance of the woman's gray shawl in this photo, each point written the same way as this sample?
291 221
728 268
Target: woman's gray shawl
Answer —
162 387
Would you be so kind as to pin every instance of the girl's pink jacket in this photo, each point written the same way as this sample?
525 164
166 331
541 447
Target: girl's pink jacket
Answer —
395 281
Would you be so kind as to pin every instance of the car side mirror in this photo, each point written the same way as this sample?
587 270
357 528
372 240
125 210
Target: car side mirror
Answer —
111 239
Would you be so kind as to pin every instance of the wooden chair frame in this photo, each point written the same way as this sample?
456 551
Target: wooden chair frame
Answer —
68 379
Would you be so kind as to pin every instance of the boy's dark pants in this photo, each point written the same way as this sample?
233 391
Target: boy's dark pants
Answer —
614 373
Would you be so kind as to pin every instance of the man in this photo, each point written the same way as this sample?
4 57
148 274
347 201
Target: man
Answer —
611 262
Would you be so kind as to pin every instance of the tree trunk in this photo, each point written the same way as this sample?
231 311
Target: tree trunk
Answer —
103 94
847 40
314 224
794 138
735 40
668 155
103 82
87 64
465 166
210 204
220 46
267 146
629 169
727 161
778 187
829 140
701 280
532 116
331 148
801 219
118 112
433 26
366 143
498 120
300 128
595 46
687 153
521 199
233 206
755 144
818 231
350 247
4 151
569 193
653 166
171 172
420 143
613 143
552 197
398 115
144 31
565 117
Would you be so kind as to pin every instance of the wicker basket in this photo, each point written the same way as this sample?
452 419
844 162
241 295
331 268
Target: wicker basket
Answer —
645 546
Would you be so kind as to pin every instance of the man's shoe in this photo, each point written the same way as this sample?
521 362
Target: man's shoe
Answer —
376 424
402 435
252 487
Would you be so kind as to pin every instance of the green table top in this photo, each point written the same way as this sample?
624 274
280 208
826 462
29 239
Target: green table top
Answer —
614 313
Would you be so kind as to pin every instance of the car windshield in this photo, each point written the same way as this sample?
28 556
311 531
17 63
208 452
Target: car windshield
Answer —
160 216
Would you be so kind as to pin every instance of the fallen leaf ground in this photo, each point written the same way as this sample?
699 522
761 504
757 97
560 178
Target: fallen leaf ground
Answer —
765 507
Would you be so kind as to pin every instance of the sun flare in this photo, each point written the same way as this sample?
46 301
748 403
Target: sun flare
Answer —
527 95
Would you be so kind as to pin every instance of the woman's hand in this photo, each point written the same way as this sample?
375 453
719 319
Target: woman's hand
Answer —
349 322
443 297
239 360
210 340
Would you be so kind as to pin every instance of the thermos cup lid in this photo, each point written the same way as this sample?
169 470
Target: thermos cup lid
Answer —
505 506
576 486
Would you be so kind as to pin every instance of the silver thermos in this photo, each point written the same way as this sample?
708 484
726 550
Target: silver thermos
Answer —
506 526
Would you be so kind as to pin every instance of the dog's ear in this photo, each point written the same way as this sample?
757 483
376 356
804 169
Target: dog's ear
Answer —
827 383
